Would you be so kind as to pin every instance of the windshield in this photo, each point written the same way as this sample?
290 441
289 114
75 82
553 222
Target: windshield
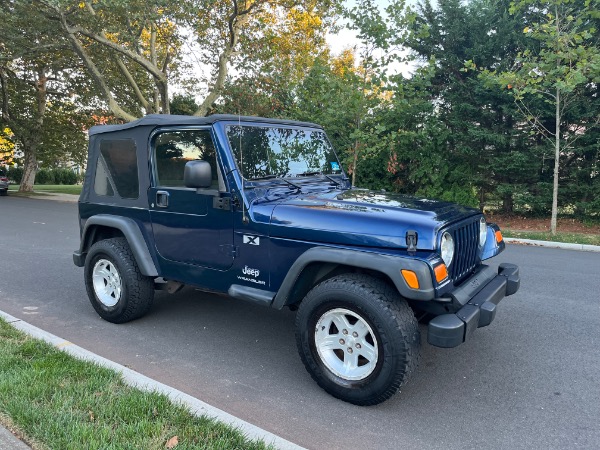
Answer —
268 152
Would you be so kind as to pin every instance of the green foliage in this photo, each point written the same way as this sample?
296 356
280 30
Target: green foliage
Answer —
554 82
45 176
15 174
56 176
183 104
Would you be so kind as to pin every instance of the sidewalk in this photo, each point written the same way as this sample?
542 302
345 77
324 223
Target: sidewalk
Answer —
9 441
72 198
61 197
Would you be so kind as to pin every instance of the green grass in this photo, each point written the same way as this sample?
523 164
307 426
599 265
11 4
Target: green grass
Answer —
55 188
571 238
58 402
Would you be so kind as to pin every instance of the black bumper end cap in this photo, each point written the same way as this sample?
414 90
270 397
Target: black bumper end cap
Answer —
513 280
79 258
487 313
446 331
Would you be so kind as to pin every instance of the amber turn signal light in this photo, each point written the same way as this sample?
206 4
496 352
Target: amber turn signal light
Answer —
498 236
441 272
411 278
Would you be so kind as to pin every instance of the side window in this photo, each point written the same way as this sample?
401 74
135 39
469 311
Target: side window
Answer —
117 169
102 184
173 149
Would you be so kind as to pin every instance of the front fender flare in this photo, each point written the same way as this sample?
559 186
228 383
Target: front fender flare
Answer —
386 264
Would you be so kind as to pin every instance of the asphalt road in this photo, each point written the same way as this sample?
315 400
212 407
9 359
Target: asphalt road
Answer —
530 380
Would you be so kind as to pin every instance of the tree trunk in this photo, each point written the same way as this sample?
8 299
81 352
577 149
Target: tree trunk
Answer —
556 166
355 163
29 170
30 145
508 203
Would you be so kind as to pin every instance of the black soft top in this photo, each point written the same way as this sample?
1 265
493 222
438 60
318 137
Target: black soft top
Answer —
171 119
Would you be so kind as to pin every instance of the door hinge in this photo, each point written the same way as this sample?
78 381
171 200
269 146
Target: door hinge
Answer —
222 203
229 250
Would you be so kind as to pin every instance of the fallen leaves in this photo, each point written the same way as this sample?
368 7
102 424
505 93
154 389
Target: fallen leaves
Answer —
172 443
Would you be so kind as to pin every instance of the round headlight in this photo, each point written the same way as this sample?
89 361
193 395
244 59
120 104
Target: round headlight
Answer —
447 248
482 231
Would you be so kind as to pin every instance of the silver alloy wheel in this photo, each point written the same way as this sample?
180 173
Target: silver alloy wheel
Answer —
346 344
107 282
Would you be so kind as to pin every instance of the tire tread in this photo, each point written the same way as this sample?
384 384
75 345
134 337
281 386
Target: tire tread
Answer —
139 288
390 303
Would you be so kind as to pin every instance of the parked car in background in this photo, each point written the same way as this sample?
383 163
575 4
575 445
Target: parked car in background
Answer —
3 183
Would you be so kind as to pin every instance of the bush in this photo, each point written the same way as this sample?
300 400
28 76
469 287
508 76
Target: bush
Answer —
65 176
45 176
15 174
56 176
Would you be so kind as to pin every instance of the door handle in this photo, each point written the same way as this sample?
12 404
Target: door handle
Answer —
162 199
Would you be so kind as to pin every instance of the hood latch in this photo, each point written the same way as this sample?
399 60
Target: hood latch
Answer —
411 241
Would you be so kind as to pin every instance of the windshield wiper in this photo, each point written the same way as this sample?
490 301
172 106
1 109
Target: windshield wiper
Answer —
308 174
271 177
265 177
333 180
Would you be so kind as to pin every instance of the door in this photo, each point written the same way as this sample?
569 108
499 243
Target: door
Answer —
189 227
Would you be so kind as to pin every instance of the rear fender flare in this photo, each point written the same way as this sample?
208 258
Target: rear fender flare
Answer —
132 233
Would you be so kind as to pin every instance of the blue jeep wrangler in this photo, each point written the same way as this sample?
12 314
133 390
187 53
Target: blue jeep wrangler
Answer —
262 210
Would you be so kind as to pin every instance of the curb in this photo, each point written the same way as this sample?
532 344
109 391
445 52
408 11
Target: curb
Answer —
550 244
9 441
137 380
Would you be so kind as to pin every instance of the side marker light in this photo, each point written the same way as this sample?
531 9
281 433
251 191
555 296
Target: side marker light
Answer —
498 236
411 278
441 272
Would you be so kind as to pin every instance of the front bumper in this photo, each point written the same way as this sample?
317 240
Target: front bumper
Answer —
479 296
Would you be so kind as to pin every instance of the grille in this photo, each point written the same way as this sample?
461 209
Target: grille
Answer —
466 251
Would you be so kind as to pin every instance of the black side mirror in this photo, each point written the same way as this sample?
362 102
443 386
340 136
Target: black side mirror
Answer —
197 174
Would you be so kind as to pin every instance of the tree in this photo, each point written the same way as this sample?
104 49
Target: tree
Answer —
183 104
558 66
37 78
135 50
7 147
278 49
483 147
127 48
367 78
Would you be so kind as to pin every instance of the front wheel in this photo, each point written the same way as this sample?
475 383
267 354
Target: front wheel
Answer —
116 288
357 338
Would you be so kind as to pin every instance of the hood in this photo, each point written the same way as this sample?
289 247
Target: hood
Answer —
360 217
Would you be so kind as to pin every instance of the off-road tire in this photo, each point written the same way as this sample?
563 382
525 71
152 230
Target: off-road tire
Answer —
391 320
136 292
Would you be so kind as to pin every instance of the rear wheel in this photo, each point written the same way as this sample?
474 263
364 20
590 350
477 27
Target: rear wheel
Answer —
4 192
116 288
357 338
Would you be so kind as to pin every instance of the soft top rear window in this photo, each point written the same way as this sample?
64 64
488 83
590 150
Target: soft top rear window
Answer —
118 158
